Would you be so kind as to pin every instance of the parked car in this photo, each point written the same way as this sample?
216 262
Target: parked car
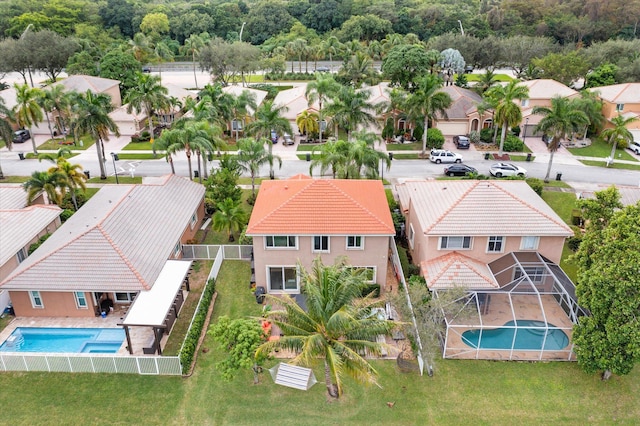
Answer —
461 142
287 139
323 69
443 156
635 147
459 170
274 136
146 69
21 135
506 169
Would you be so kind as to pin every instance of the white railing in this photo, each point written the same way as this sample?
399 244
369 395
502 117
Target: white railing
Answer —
91 363
203 251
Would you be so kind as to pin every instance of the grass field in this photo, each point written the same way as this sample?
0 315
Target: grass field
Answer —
67 142
601 149
615 165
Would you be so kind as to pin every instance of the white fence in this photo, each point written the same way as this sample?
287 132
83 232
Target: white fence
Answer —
87 363
229 252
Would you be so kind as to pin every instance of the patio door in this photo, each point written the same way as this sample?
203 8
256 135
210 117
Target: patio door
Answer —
283 278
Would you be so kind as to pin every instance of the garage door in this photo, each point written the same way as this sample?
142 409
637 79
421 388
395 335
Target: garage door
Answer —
452 129
636 135
126 128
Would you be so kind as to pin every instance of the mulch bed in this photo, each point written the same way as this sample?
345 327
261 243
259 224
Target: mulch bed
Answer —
503 157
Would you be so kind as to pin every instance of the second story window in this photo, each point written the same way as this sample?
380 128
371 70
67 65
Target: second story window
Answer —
321 243
453 243
495 244
355 242
619 107
281 241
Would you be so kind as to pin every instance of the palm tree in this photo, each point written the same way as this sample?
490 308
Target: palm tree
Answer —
74 178
560 120
53 184
321 90
396 103
240 109
140 47
52 100
169 143
331 46
339 326
485 82
331 156
6 132
229 216
192 47
307 122
359 70
252 155
426 102
189 136
92 116
268 118
214 105
507 113
162 53
27 111
351 109
148 95
618 134
590 103
362 158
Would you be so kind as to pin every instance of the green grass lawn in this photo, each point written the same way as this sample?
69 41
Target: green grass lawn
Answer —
461 392
141 156
498 77
309 147
56 144
562 203
407 157
112 179
138 146
413 146
615 165
601 149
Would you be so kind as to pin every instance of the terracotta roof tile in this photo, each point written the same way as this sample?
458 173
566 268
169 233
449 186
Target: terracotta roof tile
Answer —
454 269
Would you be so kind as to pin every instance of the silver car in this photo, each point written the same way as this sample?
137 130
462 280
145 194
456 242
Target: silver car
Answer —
507 169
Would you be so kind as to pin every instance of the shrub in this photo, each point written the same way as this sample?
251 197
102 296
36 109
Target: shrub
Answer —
66 214
486 135
404 259
271 90
474 136
416 280
513 143
435 139
574 242
244 240
33 247
417 132
190 343
536 184
373 289
413 270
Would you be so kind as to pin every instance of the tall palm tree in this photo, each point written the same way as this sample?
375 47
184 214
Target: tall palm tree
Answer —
170 144
560 120
147 95
192 47
189 136
52 184
338 327
6 132
351 109
393 107
507 113
163 53
230 217
140 47
252 155
92 116
214 105
358 70
331 156
27 111
74 178
590 103
307 122
426 102
486 81
321 90
240 109
52 100
268 117
618 134
363 160
331 47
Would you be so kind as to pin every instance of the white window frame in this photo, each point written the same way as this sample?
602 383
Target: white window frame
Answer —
524 102
355 246
128 297
495 240
524 245
321 240
36 300
444 242
283 289
412 234
273 245
21 255
235 127
177 250
619 107
194 219
79 297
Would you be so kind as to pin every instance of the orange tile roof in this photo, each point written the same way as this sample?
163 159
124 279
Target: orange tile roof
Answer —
302 205
455 269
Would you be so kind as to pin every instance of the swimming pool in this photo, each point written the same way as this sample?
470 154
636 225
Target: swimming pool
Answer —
530 335
64 340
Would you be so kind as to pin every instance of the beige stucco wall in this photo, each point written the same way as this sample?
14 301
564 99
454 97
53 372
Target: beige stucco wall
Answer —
609 112
114 92
375 254
56 304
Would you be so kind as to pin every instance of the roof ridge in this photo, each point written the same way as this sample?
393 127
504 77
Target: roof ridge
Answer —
625 86
454 204
357 203
124 258
285 202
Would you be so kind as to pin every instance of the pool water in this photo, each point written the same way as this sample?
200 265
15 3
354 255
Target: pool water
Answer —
530 337
64 340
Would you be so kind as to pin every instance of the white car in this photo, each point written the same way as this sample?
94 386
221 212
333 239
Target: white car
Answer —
443 156
506 169
635 147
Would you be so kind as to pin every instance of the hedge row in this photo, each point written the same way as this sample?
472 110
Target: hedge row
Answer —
191 340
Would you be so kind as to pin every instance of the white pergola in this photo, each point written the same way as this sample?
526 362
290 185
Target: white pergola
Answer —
159 307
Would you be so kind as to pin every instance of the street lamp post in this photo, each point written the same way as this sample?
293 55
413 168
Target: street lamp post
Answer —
524 134
241 29
115 158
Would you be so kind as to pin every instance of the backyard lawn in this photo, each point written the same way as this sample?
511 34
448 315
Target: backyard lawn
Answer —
461 392
599 148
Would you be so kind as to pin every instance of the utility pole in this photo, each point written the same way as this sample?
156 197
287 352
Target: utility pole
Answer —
242 29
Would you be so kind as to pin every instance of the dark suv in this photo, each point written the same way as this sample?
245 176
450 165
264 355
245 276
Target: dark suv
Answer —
461 142
21 135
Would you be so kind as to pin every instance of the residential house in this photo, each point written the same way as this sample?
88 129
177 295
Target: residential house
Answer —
96 85
623 99
298 219
22 226
541 91
462 115
118 246
295 101
238 123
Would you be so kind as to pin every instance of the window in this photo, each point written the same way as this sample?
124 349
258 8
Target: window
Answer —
194 220
81 299
236 125
177 250
536 273
321 243
355 242
525 102
529 243
495 244
412 234
286 241
368 271
36 299
125 297
619 107
452 243
21 255
283 278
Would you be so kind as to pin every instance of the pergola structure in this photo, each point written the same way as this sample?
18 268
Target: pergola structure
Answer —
530 316
159 307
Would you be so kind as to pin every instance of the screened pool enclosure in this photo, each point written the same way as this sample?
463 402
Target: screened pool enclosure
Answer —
528 316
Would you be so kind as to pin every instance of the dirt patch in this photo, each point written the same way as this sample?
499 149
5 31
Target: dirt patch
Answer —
503 157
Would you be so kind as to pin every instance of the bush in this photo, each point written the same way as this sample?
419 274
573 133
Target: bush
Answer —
33 247
413 270
404 259
486 135
435 139
66 214
474 136
416 280
536 184
417 132
574 242
513 143
373 289
243 239
193 335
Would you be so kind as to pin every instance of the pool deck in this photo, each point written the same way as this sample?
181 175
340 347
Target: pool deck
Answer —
141 337
525 307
